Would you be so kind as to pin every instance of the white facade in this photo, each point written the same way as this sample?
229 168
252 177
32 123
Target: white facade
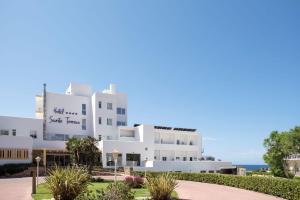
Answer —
81 113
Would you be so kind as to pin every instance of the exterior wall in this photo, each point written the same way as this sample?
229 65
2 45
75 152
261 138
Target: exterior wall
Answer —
16 142
128 147
293 165
118 100
23 126
58 117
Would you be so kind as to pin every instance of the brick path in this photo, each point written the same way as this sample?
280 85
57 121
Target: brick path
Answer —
15 188
202 191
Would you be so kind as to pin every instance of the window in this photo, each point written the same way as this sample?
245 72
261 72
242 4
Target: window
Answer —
184 158
178 142
19 154
109 106
99 120
120 123
99 104
33 134
14 132
4 132
83 125
191 158
177 158
164 158
146 148
121 111
99 137
109 122
83 109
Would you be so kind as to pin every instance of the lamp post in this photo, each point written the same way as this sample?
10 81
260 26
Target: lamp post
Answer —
37 159
146 159
115 155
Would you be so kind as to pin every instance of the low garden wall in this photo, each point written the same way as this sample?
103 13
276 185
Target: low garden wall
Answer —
284 188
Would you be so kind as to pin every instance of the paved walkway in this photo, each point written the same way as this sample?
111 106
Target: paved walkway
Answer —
15 189
20 189
188 190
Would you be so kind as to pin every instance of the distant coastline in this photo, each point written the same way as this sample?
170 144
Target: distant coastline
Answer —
253 167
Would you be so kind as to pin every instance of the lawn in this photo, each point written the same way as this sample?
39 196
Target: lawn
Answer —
43 193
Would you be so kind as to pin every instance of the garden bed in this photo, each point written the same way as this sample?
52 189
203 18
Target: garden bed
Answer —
43 193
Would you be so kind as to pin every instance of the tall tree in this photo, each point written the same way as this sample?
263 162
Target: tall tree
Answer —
279 146
90 152
73 145
84 151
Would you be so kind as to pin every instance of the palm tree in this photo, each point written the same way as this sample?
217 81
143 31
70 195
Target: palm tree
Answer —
74 146
84 151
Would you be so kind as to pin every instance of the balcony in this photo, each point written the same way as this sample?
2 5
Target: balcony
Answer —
293 157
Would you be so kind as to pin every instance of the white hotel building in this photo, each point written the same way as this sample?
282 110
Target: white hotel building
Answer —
103 115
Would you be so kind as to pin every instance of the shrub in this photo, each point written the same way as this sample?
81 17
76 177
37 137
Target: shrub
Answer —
284 188
9 169
138 181
134 181
161 186
114 191
67 183
97 180
129 181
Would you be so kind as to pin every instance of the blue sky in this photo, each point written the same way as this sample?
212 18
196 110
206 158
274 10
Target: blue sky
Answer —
228 68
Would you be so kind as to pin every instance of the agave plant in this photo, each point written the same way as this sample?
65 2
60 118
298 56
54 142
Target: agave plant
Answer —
161 186
67 183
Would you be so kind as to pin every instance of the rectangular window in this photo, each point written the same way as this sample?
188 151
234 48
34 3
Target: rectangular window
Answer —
99 120
121 111
4 132
99 137
19 154
164 158
83 109
109 106
14 132
109 122
184 158
191 158
120 123
177 158
99 104
83 125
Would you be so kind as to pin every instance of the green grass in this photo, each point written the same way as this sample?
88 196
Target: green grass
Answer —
43 193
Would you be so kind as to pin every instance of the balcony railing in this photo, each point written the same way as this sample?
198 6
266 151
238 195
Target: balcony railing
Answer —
294 157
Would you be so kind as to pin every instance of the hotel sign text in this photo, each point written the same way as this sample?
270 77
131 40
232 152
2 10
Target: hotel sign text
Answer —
61 111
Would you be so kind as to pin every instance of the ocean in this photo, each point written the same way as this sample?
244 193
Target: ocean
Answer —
253 167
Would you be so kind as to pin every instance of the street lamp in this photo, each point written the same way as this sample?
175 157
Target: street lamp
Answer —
146 159
37 159
115 155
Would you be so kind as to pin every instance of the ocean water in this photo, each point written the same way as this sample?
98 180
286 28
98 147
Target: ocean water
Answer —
253 167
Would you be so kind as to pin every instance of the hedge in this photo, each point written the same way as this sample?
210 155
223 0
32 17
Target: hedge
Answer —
284 188
9 169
